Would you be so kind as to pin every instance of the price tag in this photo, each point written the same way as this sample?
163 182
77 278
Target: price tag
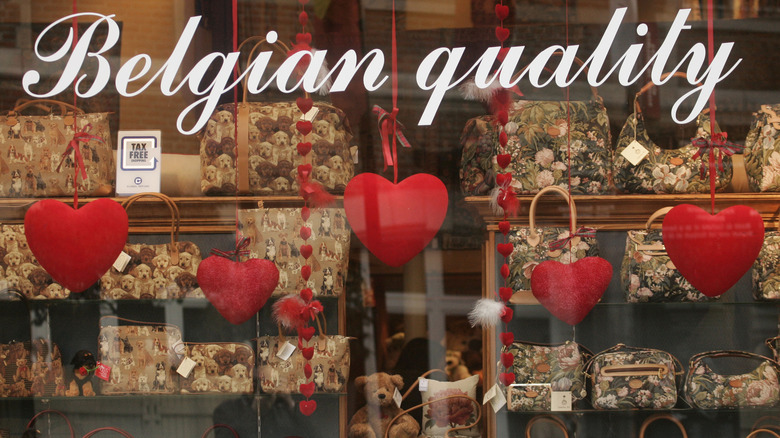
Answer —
121 262
496 398
423 384
311 114
286 351
103 371
397 398
560 401
635 153
186 367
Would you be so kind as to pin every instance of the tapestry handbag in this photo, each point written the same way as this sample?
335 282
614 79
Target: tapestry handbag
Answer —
142 357
253 149
280 363
20 272
706 388
155 270
37 158
647 273
624 377
762 150
31 369
641 166
533 245
766 268
540 369
273 235
543 138
220 367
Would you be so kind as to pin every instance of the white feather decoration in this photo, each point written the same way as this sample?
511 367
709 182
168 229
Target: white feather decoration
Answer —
486 313
321 75
494 207
471 91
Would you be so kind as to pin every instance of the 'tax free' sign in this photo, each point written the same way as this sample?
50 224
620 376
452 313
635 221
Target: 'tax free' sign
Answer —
138 162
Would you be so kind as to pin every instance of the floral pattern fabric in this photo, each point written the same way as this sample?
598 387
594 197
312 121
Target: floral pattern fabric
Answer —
766 269
706 389
538 142
561 367
526 257
645 389
665 170
762 150
442 415
648 276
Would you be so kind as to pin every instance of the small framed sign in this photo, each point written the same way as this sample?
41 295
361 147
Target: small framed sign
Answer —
138 162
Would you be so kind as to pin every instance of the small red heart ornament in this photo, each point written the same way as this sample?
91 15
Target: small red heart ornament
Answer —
307 407
306 294
76 247
502 11
395 221
505 271
503 115
303 18
505 249
502 34
506 338
507 359
507 314
304 148
307 389
506 379
505 293
569 291
305 213
304 103
503 139
303 38
503 160
305 233
305 251
307 353
238 290
306 272
503 227
713 252
303 126
306 333
307 371
503 179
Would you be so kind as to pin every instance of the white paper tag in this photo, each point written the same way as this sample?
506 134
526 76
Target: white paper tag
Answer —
121 262
309 116
286 351
490 394
560 401
635 153
423 384
496 398
186 367
397 397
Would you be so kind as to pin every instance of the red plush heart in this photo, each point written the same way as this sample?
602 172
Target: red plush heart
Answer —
307 389
305 251
306 294
303 38
304 170
303 126
395 221
503 179
238 290
502 11
502 53
505 249
304 148
303 18
76 247
506 379
507 360
506 338
503 226
306 333
304 103
713 252
503 160
507 314
305 233
502 33
505 271
307 353
503 139
305 213
503 117
307 371
570 291
307 407
306 272
505 293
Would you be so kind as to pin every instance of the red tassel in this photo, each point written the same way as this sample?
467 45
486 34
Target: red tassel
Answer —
287 311
315 195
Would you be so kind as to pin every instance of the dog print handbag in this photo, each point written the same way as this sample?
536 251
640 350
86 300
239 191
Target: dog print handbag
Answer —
273 235
20 273
220 367
155 271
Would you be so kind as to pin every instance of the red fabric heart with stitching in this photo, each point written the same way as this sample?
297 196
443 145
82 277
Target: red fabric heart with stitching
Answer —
503 160
506 338
76 247
502 11
307 353
395 221
505 293
305 251
306 333
506 379
713 252
303 126
307 389
305 233
307 407
304 103
507 359
570 291
502 33
505 249
304 148
238 290
503 227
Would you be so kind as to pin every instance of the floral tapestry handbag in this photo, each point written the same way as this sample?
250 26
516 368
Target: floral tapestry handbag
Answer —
647 273
664 170
251 148
624 377
273 235
766 268
220 367
540 369
155 271
33 159
541 137
705 388
20 273
533 245
762 150
31 369
142 357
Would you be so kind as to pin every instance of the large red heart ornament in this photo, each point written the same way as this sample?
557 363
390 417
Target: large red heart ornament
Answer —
395 221
713 252
76 247
238 290
570 291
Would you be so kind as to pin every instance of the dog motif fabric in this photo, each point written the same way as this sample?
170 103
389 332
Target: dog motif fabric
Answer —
329 363
142 358
272 157
151 274
220 367
31 149
273 235
20 271
31 369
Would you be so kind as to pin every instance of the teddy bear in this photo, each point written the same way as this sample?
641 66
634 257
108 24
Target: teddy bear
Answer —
372 420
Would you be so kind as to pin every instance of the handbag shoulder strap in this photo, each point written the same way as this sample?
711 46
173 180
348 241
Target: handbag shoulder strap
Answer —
653 418
757 432
109 429
732 353
534 238
220 426
549 419
656 215
31 423
175 218
134 322
23 104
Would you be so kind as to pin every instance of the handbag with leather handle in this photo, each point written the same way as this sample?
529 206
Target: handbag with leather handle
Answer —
31 369
657 170
647 273
657 417
556 422
221 367
766 268
762 150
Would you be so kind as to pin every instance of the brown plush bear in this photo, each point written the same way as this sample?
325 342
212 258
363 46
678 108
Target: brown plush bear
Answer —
372 420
